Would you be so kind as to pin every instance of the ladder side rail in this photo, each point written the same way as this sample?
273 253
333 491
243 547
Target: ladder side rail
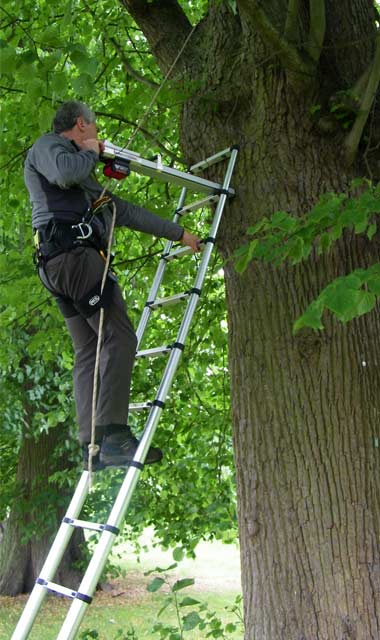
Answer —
158 276
162 172
52 561
98 561
194 297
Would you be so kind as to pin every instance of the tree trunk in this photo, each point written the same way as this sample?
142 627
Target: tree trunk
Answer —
34 520
306 409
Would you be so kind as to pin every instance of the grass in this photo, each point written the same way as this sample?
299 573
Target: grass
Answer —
125 602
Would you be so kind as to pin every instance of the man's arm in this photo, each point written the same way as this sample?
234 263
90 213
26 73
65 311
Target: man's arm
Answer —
134 217
59 165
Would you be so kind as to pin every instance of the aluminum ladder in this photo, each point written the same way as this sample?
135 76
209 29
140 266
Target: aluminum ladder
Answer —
215 193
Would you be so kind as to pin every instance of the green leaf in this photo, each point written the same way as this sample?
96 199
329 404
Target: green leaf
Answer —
188 602
8 60
59 83
182 584
245 258
296 249
325 242
191 621
50 36
178 554
161 569
311 318
155 585
345 300
371 230
83 85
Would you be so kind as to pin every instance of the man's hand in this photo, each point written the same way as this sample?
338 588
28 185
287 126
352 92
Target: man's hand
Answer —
91 144
190 240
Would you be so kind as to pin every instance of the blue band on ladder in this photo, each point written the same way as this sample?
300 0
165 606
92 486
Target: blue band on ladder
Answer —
83 597
41 581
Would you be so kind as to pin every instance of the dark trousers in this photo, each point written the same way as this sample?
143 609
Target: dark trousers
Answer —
72 275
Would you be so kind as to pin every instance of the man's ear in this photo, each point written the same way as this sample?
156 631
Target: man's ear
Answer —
80 123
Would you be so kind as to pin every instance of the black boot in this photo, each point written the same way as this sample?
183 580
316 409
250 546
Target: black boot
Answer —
119 447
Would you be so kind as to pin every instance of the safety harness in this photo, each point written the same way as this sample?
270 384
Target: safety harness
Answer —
57 238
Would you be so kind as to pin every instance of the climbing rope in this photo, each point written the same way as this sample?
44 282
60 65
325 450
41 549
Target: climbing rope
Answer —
93 448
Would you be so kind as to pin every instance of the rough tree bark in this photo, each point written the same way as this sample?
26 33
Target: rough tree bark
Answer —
306 409
24 544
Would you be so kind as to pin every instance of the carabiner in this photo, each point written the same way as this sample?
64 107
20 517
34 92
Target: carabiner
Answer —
85 230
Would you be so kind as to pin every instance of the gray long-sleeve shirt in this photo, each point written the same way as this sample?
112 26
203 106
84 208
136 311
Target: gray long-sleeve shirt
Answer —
58 177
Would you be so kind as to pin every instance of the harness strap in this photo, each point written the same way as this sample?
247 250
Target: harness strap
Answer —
57 238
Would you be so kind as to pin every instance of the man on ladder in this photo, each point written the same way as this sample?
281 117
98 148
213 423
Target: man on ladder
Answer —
71 227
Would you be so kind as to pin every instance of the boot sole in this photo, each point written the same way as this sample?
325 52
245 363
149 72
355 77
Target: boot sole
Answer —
122 462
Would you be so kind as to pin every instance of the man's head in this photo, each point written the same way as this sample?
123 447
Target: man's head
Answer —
75 120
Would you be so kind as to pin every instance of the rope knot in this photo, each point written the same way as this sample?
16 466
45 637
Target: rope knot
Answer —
93 449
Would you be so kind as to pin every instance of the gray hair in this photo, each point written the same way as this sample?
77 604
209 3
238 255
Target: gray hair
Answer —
67 114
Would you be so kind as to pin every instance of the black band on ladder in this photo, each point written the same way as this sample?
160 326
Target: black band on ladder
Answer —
223 192
158 403
67 520
177 345
148 303
138 465
110 528
210 239
83 597
195 290
178 211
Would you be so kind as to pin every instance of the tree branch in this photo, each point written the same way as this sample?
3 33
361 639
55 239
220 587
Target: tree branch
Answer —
291 23
353 138
165 26
287 52
129 69
317 29
147 134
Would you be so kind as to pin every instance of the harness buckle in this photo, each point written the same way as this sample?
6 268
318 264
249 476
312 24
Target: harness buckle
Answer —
84 229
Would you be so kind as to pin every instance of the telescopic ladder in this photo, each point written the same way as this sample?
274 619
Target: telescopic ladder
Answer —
215 193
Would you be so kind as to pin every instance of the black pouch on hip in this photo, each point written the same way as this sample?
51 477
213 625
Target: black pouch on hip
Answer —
95 299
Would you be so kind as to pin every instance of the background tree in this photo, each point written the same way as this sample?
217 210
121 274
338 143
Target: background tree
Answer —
295 85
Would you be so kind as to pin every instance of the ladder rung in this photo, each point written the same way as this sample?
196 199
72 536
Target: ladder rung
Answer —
177 253
181 251
208 162
57 588
193 206
139 406
162 302
156 351
94 526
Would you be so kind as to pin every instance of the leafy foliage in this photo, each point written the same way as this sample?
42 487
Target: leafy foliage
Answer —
284 237
201 616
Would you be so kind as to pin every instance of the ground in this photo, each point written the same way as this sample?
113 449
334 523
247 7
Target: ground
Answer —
125 603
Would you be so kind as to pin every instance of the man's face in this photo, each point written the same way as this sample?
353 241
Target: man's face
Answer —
90 130
87 130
